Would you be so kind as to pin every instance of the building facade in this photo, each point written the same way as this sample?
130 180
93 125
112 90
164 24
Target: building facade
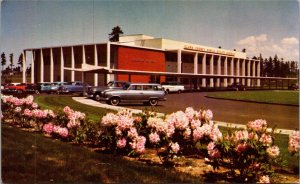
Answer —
141 58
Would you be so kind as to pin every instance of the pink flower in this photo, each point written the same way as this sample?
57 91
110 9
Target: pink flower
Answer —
121 143
273 151
73 123
266 139
294 143
125 122
264 179
213 152
109 119
207 115
138 144
56 129
132 133
241 135
63 132
175 147
34 105
154 138
18 109
48 128
257 125
190 113
195 124
158 124
200 132
187 133
242 147
68 110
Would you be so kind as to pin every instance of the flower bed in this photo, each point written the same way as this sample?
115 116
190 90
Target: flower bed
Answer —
249 154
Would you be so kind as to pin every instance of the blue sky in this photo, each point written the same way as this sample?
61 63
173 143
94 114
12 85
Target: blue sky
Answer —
267 27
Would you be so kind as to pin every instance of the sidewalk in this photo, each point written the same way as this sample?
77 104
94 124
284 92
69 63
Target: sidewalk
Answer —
94 103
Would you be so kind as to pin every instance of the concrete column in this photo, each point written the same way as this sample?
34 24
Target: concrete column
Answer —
42 67
96 64
211 70
204 70
179 62
258 73
243 71
218 70
248 74
231 70
196 63
225 72
83 55
62 65
238 70
51 66
253 71
24 67
72 64
32 66
108 78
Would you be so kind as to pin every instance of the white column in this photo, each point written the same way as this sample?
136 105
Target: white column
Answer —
258 73
179 62
196 63
225 72
96 64
51 65
62 65
42 67
231 69
108 78
253 72
218 70
72 64
238 69
248 74
243 71
24 67
211 71
32 66
83 55
204 70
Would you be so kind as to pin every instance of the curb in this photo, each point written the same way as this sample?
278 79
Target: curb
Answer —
94 103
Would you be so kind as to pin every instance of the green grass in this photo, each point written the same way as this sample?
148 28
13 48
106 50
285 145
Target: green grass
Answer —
56 102
31 158
275 97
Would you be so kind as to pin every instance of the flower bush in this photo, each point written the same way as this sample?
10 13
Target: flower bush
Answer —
251 152
294 139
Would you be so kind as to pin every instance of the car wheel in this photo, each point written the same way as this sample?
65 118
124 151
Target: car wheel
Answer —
37 92
179 91
153 102
114 101
19 91
97 97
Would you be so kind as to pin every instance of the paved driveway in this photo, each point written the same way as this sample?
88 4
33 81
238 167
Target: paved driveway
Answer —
285 117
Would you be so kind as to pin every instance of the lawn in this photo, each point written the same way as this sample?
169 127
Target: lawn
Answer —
29 157
275 96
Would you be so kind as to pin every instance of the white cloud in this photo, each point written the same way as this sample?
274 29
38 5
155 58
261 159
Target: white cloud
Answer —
287 48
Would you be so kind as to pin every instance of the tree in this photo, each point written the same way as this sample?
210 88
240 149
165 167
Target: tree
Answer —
11 60
115 34
20 60
3 60
244 50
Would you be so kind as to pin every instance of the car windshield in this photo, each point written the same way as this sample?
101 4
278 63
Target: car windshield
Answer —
126 86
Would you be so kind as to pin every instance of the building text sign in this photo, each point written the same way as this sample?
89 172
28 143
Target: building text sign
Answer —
201 49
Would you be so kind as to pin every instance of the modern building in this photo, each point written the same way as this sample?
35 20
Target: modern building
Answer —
142 58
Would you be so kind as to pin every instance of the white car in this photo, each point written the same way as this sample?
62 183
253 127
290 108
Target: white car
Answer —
172 86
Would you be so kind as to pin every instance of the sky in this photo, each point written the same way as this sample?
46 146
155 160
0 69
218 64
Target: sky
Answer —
268 27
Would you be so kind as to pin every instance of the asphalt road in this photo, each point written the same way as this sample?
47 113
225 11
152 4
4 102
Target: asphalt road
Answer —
283 116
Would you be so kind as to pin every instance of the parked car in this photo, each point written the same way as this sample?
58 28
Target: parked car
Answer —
72 87
96 92
55 85
293 87
237 86
173 86
136 93
44 87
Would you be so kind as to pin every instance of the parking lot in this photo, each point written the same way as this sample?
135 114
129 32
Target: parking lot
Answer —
285 117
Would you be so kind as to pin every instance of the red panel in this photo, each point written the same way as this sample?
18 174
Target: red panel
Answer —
140 60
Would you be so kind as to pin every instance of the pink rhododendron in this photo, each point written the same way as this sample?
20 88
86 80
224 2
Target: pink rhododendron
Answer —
18 109
138 144
73 123
241 135
175 147
207 114
110 119
125 122
121 143
154 138
187 133
48 128
132 133
212 151
195 124
27 112
158 124
273 151
242 147
63 132
266 139
257 125
190 113
294 143
34 105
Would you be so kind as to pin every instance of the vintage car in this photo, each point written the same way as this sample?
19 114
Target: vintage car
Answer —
55 85
237 86
172 86
135 93
96 92
44 87
72 87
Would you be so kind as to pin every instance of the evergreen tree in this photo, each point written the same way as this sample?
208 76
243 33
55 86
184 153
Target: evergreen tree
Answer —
276 69
3 60
20 60
115 34
11 60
